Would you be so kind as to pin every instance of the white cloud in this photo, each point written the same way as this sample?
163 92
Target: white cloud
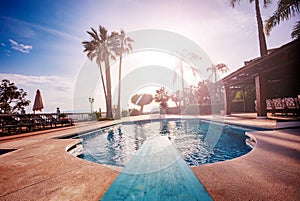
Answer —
46 29
19 46
3 45
57 91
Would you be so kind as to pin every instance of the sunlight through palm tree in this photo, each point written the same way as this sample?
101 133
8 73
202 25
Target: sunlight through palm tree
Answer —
179 66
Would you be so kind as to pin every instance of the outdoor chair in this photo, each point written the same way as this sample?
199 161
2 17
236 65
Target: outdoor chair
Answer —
291 105
9 123
39 122
49 120
26 121
65 121
279 106
270 106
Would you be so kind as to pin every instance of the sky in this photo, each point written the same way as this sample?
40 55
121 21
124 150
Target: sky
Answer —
40 44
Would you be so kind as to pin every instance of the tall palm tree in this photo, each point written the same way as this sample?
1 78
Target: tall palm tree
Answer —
222 68
181 68
101 46
215 68
261 35
285 10
125 47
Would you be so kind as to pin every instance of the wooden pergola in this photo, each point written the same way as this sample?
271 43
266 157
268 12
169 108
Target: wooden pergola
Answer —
278 70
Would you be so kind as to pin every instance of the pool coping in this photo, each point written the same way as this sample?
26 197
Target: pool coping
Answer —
48 184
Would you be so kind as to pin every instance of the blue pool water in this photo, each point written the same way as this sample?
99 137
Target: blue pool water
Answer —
197 141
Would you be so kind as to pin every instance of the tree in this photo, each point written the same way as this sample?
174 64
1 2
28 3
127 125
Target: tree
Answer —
102 46
175 97
125 47
261 35
285 10
141 100
214 69
162 97
179 66
216 94
202 93
12 99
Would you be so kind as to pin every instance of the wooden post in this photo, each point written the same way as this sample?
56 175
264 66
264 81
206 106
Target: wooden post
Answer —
227 101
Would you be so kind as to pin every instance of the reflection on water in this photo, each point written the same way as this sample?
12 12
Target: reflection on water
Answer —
198 142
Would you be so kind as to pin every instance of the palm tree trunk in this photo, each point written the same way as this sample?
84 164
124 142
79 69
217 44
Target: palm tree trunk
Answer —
261 35
102 79
108 89
215 73
118 115
182 83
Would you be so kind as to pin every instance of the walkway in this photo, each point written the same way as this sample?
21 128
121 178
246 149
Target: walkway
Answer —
271 171
41 169
157 172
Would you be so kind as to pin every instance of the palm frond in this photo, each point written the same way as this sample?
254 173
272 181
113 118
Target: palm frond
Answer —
113 57
296 31
285 10
129 39
222 68
91 55
103 33
266 3
129 46
93 34
234 2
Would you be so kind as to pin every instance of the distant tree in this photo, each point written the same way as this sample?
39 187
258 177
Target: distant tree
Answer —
202 93
261 35
175 97
162 97
12 99
222 68
141 100
125 47
285 10
179 66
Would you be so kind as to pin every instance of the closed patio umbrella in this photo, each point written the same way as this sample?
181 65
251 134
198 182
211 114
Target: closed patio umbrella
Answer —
38 102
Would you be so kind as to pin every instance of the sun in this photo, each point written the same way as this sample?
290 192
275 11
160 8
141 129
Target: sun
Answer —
171 61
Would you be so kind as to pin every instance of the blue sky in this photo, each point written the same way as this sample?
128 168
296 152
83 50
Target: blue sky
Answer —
40 41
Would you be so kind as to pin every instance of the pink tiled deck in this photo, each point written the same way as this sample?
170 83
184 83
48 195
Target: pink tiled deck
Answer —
41 169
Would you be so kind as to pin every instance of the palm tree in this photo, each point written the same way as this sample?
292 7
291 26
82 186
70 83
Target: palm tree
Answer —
285 10
125 47
214 68
181 68
101 46
162 96
261 35
222 68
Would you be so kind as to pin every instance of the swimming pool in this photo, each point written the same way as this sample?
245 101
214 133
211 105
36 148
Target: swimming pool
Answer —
198 142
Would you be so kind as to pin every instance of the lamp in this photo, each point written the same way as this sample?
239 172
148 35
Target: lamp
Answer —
91 100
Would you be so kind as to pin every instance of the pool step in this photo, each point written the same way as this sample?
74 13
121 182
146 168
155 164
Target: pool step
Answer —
156 172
